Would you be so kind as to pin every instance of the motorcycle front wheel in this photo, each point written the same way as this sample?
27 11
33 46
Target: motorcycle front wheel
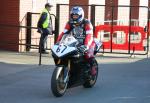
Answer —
58 86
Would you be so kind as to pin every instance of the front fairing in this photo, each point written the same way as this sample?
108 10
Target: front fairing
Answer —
65 47
61 51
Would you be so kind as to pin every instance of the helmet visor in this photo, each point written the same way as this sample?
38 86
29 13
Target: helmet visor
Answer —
75 16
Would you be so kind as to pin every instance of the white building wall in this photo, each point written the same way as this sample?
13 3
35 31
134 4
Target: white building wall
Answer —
63 14
99 10
143 2
97 2
123 12
143 13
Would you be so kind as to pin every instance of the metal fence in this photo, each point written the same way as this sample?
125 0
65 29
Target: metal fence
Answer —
119 30
121 33
28 38
32 37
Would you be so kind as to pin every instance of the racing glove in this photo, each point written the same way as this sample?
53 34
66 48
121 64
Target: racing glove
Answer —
83 48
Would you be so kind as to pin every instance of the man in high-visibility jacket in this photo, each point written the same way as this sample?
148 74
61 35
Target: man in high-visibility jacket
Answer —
44 27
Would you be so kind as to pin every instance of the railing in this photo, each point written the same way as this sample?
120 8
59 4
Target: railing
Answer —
26 33
97 13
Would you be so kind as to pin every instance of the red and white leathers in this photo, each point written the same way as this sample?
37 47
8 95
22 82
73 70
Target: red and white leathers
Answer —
84 31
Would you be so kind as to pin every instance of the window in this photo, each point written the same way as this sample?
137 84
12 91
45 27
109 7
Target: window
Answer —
104 36
135 37
119 37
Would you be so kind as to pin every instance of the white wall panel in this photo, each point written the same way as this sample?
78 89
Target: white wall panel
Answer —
123 12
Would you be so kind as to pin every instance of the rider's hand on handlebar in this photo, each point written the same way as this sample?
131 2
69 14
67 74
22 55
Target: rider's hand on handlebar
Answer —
83 48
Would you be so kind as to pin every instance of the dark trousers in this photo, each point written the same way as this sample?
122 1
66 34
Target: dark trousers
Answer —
43 40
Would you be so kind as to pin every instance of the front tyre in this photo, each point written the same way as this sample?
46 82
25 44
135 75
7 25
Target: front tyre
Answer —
93 75
58 86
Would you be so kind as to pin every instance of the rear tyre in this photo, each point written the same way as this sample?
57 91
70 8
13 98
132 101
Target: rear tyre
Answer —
90 82
58 86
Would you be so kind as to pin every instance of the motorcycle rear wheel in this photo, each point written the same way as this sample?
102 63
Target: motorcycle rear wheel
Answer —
89 83
58 87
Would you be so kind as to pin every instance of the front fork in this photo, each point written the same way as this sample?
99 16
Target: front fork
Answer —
66 69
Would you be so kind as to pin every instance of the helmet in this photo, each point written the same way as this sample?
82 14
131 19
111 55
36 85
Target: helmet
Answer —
78 11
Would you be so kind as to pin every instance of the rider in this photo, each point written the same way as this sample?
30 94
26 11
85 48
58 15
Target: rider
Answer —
82 30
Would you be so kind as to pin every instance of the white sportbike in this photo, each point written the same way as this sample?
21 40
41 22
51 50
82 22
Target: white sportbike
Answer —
71 68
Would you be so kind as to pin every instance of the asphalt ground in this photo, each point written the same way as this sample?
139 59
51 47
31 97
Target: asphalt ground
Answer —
121 80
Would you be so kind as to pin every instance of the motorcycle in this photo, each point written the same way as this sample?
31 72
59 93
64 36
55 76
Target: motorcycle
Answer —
71 68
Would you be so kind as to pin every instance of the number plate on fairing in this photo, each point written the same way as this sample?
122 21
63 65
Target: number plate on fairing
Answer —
61 50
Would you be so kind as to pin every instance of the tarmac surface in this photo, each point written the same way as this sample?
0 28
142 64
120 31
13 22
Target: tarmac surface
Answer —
121 80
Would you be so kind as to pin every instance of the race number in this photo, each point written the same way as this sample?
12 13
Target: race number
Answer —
61 49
